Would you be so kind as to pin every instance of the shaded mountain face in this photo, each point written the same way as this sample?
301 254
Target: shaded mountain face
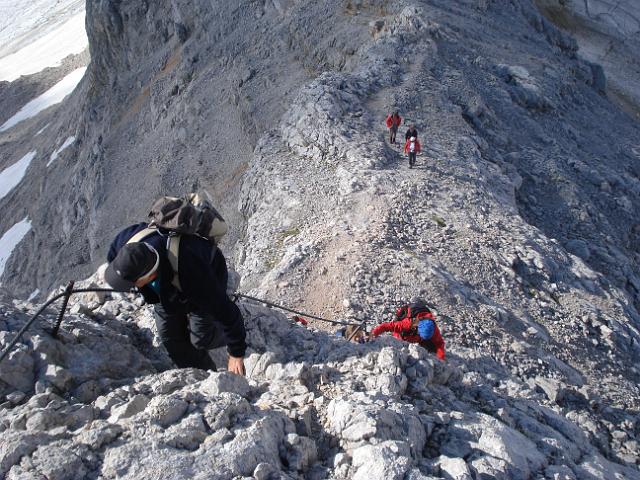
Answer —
174 99
607 34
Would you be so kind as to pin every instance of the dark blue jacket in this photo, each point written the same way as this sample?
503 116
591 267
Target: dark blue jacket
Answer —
203 279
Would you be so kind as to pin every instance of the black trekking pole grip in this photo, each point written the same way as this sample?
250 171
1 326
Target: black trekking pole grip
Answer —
67 293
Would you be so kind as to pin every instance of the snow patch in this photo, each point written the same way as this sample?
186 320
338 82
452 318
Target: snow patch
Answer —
55 154
42 130
33 295
11 239
48 51
24 21
11 176
54 95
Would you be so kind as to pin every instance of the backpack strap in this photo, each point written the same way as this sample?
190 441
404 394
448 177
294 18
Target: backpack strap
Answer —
142 234
173 254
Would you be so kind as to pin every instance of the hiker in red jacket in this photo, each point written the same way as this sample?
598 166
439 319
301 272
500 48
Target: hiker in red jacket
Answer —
415 323
412 148
393 122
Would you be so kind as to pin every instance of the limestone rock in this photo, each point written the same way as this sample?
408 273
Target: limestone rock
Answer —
387 460
219 382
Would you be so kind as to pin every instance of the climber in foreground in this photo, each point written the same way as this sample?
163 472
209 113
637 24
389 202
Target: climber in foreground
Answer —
415 323
192 310
393 122
412 148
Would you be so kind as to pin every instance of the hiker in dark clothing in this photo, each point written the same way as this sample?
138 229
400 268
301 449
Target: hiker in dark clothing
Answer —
411 132
393 122
193 312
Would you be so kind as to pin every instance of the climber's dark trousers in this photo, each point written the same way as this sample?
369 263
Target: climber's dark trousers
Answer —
392 133
187 337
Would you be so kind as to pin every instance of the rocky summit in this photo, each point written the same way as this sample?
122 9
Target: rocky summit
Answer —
519 223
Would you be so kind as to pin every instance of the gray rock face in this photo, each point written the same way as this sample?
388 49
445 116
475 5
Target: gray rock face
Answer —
183 90
312 406
386 460
607 34
518 223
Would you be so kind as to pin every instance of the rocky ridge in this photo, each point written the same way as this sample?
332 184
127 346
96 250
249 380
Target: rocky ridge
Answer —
550 297
518 223
469 228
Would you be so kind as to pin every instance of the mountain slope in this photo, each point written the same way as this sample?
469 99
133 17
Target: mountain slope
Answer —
607 34
518 222
173 100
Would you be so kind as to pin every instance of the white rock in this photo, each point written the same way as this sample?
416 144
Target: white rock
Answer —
562 472
60 377
219 382
16 445
166 410
263 471
136 405
16 397
511 446
388 460
453 468
596 467
98 434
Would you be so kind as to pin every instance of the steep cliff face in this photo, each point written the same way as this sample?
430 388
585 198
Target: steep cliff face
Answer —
607 33
175 99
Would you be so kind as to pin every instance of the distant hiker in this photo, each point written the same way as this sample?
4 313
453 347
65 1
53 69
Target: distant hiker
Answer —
393 122
412 147
353 334
192 310
411 132
415 323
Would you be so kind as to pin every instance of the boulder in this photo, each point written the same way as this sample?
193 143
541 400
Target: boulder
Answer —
388 460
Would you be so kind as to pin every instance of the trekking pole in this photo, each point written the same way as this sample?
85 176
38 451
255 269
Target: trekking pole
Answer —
68 292
65 301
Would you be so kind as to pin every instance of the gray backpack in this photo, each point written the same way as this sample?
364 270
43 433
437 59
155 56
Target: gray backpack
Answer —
188 215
